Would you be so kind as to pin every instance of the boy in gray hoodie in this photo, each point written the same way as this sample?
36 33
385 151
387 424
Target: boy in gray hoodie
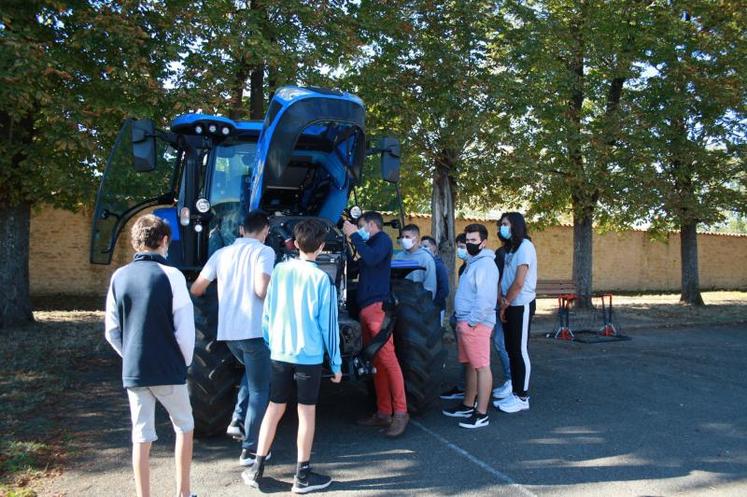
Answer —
475 303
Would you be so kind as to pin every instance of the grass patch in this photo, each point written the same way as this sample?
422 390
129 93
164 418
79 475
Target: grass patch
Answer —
39 363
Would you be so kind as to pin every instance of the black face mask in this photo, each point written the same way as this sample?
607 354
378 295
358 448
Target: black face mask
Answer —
473 249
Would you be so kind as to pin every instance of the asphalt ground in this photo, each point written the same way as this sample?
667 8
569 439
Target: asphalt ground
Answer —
663 414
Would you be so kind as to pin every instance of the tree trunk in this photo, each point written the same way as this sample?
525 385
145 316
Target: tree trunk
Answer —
236 103
15 304
583 234
442 219
689 254
257 93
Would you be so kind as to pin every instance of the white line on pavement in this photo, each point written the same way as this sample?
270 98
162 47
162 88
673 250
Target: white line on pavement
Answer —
503 478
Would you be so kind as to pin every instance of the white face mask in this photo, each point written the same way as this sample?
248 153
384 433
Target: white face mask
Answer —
407 243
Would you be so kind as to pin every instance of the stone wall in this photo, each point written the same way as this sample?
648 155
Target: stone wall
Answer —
622 261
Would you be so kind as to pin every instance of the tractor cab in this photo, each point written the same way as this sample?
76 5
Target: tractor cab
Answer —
206 172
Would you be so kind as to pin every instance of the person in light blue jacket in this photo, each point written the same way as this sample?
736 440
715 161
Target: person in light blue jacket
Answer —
299 324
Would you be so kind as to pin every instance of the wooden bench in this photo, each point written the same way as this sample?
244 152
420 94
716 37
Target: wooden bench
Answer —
555 288
565 292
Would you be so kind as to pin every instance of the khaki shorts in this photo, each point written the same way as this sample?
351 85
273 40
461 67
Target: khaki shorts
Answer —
175 398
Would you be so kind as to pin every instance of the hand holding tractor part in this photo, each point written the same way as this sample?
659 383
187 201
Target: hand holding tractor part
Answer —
349 228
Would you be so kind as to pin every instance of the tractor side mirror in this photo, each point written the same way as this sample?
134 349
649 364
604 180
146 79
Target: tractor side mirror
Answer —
390 158
143 145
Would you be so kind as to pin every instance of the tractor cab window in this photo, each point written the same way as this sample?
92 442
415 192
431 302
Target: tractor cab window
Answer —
233 167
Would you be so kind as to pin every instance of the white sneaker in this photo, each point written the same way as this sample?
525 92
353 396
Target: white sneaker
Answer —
513 404
503 391
505 400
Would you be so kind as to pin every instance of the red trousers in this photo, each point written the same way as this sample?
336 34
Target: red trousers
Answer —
388 380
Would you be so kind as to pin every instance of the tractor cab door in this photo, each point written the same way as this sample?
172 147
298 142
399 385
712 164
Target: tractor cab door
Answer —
140 173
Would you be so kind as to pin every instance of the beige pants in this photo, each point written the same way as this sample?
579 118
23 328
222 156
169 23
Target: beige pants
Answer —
175 398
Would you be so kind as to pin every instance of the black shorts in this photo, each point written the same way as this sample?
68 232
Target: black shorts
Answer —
307 378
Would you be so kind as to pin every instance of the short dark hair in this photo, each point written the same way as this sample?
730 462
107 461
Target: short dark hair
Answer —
255 221
477 228
429 239
148 231
374 216
461 238
519 231
310 234
411 227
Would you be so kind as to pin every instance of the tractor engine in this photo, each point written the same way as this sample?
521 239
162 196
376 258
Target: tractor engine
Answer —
333 260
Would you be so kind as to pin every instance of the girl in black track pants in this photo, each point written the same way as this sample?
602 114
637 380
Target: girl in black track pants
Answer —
517 306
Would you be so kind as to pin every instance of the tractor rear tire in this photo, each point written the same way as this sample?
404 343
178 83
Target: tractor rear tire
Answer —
215 373
419 344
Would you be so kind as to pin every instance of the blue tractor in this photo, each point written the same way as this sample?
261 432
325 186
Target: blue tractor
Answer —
306 159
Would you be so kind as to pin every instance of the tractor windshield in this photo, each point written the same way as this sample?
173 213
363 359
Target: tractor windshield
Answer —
233 168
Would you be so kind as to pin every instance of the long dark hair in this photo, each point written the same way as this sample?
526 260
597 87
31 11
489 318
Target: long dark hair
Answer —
518 230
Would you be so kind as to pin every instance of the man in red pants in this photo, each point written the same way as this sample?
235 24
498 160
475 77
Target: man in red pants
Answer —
375 250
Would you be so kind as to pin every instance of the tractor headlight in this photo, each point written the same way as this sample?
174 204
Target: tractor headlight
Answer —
355 212
213 128
198 228
225 130
198 129
202 205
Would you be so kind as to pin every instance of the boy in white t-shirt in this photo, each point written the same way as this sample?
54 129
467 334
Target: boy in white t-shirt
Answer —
243 272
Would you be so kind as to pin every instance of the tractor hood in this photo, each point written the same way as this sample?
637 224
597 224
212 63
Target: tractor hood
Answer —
322 126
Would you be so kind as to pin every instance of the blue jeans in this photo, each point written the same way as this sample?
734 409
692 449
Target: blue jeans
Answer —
242 401
255 356
499 343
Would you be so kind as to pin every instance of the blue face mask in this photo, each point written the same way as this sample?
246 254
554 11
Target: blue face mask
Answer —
365 235
462 253
506 232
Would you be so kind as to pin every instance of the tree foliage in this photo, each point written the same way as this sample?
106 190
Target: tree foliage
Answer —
246 48
69 73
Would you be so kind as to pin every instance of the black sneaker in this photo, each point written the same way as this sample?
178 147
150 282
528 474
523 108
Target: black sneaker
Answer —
253 477
477 420
460 411
455 393
247 458
309 482
235 430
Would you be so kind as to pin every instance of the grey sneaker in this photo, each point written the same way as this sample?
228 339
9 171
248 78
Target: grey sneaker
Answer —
310 482
253 477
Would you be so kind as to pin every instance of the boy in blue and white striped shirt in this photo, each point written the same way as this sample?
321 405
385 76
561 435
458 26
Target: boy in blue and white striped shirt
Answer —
299 324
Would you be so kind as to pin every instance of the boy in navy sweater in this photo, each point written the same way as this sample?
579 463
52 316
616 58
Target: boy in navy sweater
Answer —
299 325
150 323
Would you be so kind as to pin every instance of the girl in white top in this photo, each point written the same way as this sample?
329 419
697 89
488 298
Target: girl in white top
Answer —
517 307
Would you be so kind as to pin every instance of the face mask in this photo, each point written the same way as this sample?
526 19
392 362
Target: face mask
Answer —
407 243
365 235
506 232
473 249
462 253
